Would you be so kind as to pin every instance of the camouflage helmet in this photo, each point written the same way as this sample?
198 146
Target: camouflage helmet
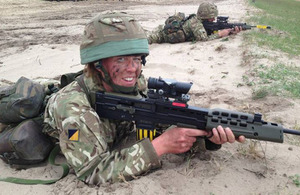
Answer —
207 10
112 34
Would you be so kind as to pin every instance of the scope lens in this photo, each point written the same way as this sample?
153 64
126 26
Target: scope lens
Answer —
154 83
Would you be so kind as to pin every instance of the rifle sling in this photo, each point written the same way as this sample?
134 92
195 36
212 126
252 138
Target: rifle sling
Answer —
81 83
51 160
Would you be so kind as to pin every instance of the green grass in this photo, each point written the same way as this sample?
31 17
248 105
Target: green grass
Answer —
283 17
295 178
279 79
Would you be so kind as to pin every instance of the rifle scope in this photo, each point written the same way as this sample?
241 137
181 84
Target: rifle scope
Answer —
223 19
169 87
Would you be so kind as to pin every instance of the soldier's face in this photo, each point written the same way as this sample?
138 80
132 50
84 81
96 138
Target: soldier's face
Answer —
123 70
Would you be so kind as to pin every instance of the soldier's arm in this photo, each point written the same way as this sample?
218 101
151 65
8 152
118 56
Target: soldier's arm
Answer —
198 30
156 36
88 152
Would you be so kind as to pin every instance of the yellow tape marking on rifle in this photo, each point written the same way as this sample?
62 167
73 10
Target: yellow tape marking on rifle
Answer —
140 135
145 133
261 26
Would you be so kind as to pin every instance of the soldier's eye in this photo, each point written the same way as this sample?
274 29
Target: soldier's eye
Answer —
121 59
137 59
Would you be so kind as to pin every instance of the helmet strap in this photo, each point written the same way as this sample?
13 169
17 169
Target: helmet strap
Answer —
144 60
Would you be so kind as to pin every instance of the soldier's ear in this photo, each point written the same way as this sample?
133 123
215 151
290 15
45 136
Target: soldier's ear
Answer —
102 70
99 68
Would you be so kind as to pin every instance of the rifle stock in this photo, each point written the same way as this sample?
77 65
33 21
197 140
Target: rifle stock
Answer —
158 108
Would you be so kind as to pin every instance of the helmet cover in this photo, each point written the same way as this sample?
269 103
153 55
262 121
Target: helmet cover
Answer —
112 34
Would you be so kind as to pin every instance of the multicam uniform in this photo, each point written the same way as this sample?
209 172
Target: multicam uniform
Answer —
193 31
87 141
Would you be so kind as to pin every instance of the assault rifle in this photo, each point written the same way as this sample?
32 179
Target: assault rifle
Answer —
167 104
222 23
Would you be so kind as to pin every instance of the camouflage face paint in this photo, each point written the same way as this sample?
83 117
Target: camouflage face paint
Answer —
123 70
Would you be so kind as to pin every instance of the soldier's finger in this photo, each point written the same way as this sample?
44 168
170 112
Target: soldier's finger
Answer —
241 139
230 135
216 137
195 132
222 134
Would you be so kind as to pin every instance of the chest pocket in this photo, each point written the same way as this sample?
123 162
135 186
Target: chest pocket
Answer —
116 130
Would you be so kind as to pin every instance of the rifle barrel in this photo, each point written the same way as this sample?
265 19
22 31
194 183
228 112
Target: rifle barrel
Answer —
291 131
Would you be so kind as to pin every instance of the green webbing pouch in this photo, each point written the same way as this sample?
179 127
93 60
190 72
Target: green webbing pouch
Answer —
51 160
174 23
25 144
21 101
69 78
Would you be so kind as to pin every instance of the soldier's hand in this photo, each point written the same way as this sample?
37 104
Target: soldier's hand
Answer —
224 32
176 140
236 30
221 136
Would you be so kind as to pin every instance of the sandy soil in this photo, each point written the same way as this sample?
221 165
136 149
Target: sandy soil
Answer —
41 39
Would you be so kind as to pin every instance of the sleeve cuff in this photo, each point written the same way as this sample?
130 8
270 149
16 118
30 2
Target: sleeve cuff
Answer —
150 152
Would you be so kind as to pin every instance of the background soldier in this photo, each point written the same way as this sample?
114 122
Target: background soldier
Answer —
179 28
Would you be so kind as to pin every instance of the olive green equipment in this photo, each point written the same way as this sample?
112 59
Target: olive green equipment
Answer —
22 141
173 28
21 107
20 101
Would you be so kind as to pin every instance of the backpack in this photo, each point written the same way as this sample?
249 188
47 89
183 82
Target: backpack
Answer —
173 28
25 144
21 101
21 107
22 141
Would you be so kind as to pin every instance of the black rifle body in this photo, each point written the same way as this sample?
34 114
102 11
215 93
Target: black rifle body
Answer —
147 113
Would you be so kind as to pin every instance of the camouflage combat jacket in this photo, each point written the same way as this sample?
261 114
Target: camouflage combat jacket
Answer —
192 30
87 141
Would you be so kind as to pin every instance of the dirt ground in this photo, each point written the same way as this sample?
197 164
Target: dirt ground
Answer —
40 39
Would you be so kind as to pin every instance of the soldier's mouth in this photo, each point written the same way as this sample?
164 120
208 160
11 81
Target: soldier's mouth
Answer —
129 81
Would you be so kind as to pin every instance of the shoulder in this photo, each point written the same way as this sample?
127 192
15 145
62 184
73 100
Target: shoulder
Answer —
69 97
192 19
70 91
142 83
